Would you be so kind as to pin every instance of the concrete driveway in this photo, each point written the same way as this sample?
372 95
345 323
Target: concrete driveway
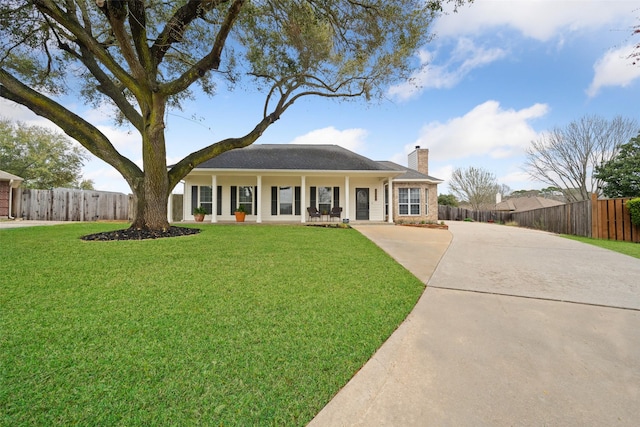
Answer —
516 328
27 223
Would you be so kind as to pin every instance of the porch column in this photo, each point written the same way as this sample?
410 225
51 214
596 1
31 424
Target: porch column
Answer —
184 201
346 197
303 199
259 199
390 200
170 207
214 198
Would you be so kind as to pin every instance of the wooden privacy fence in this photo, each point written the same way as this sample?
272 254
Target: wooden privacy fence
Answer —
452 213
600 219
63 204
612 220
571 218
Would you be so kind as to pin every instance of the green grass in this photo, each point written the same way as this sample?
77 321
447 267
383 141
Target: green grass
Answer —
627 248
238 325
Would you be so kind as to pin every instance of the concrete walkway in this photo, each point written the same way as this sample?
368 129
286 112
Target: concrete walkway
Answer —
516 328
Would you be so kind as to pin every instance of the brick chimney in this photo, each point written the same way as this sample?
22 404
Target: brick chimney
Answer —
419 160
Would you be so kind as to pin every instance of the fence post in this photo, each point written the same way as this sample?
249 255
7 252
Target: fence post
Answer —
595 217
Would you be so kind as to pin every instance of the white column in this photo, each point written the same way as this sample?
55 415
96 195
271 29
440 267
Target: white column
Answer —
214 198
303 199
390 199
347 192
184 201
259 191
170 208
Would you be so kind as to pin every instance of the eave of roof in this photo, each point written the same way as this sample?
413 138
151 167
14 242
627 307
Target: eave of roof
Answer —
6 176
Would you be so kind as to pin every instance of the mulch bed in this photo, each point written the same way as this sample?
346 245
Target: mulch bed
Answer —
140 234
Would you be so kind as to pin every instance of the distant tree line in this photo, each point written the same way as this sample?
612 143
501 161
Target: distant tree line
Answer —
42 157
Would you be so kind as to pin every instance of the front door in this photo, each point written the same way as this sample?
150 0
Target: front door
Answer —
362 204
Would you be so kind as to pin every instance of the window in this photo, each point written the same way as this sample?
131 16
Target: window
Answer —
324 199
245 199
206 199
426 202
201 196
286 200
409 201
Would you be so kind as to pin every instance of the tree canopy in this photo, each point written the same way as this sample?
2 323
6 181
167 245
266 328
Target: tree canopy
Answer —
621 175
447 200
566 157
42 157
476 186
144 57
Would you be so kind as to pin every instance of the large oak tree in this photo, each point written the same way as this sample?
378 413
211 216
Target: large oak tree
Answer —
144 57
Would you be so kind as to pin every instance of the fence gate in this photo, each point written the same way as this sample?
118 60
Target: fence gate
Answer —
612 220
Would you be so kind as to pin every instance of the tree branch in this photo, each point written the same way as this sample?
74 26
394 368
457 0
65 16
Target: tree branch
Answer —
211 61
84 38
186 165
73 125
176 26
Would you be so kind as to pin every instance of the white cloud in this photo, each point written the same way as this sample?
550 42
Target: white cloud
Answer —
613 69
18 113
541 20
486 130
351 139
465 58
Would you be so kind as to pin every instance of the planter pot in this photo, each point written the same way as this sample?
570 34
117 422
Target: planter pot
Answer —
198 217
240 216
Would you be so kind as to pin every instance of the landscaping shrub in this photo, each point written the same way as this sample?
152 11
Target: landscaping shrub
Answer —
634 208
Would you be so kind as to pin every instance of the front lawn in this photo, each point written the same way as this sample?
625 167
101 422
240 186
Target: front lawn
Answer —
627 248
238 325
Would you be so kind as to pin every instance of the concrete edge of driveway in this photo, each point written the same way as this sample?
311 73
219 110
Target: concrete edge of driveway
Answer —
419 250
19 223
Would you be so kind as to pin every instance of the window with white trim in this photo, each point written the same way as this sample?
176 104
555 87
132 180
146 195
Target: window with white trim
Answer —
285 198
245 199
324 199
409 201
206 198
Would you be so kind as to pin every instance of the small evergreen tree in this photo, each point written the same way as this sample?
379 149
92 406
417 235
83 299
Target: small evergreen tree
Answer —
621 175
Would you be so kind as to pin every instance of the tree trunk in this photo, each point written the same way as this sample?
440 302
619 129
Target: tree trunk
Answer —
151 194
150 209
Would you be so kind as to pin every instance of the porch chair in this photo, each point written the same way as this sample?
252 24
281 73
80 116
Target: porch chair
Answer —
313 212
336 212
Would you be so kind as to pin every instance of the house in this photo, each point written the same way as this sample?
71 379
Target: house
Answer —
9 184
278 182
522 204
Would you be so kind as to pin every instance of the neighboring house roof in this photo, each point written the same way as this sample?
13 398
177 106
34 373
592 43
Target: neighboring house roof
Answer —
521 204
409 174
6 176
293 157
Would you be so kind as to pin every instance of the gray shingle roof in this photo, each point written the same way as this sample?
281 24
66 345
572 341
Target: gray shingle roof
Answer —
294 156
522 204
408 173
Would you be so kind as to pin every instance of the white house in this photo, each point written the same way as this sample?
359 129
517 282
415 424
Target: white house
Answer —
278 182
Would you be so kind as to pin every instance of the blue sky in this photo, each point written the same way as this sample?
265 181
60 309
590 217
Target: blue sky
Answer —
499 73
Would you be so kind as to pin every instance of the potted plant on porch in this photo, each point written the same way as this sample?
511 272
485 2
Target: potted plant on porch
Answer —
199 213
240 213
